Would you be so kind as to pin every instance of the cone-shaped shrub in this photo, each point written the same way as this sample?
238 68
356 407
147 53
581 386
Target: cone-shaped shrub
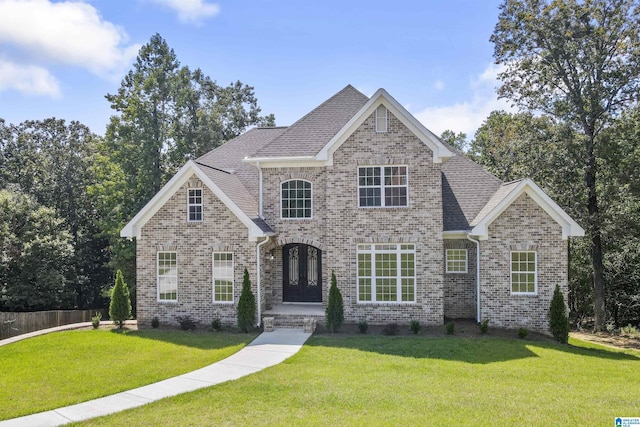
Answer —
120 305
335 308
246 305
558 320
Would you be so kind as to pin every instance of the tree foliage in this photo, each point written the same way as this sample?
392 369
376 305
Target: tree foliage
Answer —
50 161
165 114
120 305
335 306
36 255
246 305
456 140
579 62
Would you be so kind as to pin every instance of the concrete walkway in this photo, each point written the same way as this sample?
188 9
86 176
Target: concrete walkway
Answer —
268 349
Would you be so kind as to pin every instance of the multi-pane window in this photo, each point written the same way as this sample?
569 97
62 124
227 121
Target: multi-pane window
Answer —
523 272
382 186
456 261
167 276
194 204
222 277
381 119
296 199
386 273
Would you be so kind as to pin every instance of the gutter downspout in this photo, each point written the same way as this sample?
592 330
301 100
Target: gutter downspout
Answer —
259 276
259 190
477 242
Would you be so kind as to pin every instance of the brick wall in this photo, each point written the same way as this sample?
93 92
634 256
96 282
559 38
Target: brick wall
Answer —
460 288
194 242
339 225
523 226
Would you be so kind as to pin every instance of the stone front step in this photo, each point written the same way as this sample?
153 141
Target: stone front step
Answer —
305 321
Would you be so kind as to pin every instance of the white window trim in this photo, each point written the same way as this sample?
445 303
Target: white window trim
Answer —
189 190
213 278
296 218
165 301
535 274
382 186
466 261
399 276
386 119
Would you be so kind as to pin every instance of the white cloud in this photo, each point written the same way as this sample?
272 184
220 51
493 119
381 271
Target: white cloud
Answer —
191 11
68 32
467 116
438 85
29 79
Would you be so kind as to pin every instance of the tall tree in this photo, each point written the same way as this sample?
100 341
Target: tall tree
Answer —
36 253
522 145
457 140
580 62
166 114
49 160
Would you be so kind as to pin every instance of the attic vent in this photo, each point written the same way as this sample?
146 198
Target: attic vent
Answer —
381 119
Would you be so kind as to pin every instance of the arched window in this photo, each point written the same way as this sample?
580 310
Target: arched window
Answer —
295 199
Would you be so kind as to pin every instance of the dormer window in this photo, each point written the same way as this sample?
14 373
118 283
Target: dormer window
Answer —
381 119
194 205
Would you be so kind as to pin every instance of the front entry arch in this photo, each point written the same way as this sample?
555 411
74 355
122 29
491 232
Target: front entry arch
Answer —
301 273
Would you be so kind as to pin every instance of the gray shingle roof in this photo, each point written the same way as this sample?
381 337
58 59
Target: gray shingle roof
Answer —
308 136
237 179
466 189
500 194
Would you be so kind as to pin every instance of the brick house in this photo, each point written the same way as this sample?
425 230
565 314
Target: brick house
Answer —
413 229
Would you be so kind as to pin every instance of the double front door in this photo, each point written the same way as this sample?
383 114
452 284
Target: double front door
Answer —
302 273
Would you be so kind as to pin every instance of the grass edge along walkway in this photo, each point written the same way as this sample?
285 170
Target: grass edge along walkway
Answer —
65 368
266 350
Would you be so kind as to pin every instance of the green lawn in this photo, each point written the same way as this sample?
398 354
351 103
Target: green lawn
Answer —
373 380
64 368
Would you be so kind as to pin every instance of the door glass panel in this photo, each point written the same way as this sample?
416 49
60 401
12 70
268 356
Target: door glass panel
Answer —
312 266
293 266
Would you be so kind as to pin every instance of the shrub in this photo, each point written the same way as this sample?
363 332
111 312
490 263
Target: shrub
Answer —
95 320
484 326
216 325
558 320
155 322
391 329
415 327
187 323
363 326
522 333
629 331
120 305
450 327
335 307
246 305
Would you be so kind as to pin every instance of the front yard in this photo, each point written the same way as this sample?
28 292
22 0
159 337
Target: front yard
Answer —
378 380
64 368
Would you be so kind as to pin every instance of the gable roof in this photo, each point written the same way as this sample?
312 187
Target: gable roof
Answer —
308 135
472 198
314 138
508 193
243 205
382 97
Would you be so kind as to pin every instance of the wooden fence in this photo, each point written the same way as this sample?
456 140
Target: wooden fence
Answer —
12 324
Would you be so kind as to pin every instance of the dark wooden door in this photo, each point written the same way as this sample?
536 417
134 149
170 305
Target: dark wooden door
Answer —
302 273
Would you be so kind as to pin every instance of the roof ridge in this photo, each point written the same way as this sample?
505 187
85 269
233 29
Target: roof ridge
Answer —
211 167
292 126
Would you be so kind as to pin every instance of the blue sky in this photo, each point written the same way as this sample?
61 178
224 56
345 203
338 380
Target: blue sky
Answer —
59 58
